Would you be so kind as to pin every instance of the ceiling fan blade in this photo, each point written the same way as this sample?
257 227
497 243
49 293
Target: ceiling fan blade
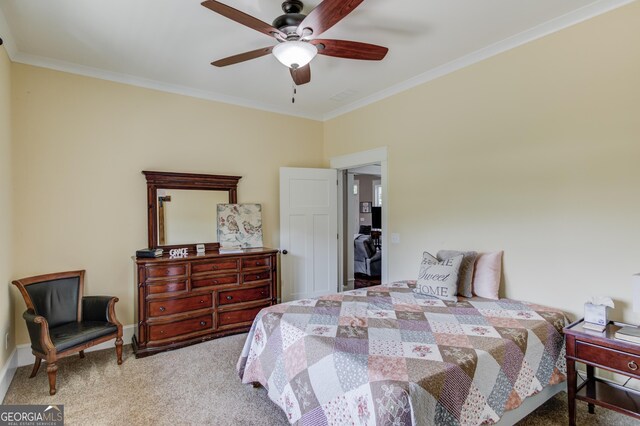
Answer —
301 75
325 16
350 49
243 18
241 57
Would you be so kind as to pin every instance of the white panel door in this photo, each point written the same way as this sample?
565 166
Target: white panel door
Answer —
308 232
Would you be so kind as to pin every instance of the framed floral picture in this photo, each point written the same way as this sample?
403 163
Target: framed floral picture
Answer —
239 225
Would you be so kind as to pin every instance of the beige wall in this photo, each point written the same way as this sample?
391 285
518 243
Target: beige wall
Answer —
79 146
535 151
6 309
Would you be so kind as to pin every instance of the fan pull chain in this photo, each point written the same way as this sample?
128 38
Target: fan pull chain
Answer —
293 97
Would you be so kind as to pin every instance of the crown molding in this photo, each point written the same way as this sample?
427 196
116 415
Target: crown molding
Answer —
72 68
539 31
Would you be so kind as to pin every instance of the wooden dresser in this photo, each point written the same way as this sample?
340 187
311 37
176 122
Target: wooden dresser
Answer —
200 297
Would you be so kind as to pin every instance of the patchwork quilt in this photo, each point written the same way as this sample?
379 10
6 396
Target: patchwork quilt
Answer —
385 355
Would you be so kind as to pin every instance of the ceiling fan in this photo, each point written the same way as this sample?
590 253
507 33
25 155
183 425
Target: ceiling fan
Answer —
296 33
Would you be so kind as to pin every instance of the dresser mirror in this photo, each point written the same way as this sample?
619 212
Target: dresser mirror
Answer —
182 208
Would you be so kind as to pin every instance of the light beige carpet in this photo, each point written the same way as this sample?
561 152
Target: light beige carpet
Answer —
193 385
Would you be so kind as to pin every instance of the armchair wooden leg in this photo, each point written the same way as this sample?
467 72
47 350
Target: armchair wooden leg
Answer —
36 367
119 350
81 354
52 370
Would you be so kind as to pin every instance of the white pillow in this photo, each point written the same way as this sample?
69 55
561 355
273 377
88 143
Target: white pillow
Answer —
487 274
439 278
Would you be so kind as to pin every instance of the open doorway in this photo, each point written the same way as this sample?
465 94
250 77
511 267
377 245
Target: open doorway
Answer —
363 219
347 228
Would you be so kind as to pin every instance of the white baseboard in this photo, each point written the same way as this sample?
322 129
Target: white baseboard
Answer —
22 356
25 357
6 374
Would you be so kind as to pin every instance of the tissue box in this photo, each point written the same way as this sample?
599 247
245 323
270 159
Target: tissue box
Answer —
596 314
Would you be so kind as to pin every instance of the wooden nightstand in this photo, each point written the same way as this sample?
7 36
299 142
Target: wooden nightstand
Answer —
604 351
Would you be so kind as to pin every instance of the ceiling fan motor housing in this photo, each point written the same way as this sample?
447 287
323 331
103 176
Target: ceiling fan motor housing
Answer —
288 23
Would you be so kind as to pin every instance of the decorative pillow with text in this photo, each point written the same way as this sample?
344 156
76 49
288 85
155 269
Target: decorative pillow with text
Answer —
439 278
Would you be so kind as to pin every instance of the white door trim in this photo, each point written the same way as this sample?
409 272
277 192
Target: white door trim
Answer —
364 158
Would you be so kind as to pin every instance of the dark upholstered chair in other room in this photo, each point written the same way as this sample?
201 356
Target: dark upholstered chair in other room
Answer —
61 321
367 260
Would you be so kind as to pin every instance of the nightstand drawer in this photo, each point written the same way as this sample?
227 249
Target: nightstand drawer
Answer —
610 358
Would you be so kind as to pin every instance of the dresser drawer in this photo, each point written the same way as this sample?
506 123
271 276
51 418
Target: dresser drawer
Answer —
239 316
610 358
215 266
173 306
165 286
213 281
244 295
256 276
177 328
256 262
163 271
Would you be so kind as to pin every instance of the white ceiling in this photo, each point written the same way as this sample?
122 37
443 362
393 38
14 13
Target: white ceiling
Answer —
169 44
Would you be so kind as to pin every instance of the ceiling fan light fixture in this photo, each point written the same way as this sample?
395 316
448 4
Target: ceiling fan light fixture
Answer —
294 54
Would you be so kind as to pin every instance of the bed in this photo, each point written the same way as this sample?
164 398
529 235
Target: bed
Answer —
388 356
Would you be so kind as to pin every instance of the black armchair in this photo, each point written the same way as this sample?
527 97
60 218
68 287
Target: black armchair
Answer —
61 321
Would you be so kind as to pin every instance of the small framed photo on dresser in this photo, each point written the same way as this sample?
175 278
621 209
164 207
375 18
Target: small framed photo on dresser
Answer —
365 207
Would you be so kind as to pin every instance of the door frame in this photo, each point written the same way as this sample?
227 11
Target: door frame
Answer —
359 159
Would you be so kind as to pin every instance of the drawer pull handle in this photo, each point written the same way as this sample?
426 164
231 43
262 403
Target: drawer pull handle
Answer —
262 293
202 301
229 297
258 263
632 366
215 281
161 331
203 323
162 309
213 267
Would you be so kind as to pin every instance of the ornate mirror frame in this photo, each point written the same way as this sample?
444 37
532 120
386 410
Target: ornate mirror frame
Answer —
171 180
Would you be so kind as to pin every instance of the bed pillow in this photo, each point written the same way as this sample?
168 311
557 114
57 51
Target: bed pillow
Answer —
487 274
465 278
439 278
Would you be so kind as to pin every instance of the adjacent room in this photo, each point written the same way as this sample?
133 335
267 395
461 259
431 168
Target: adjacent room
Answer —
438 225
